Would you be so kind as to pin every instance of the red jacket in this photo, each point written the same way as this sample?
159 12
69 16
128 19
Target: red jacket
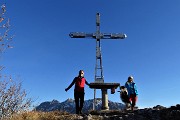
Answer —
79 84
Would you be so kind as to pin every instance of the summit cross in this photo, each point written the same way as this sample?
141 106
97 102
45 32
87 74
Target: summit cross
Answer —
99 77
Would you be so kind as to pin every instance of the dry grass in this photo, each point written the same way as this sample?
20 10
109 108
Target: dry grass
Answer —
56 115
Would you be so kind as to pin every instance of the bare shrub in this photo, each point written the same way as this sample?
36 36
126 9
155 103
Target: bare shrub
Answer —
5 38
13 99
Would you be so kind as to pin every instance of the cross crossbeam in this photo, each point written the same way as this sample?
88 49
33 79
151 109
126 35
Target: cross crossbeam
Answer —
95 35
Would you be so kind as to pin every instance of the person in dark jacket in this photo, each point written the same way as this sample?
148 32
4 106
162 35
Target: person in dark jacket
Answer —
124 96
79 82
132 91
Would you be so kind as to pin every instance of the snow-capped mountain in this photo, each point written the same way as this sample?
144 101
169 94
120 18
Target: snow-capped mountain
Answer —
69 105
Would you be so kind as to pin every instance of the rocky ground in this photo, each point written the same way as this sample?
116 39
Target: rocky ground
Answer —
156 113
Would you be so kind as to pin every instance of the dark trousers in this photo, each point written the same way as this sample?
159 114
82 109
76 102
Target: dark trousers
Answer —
79 96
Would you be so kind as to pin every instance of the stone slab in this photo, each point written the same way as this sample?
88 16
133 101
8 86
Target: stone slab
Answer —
104 85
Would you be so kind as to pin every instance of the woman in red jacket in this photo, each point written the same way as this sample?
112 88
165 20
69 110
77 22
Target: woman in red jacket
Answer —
79 82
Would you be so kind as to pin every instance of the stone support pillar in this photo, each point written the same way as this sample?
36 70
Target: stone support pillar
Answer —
104 99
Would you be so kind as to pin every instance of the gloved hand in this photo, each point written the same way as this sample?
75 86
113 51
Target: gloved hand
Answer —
66 89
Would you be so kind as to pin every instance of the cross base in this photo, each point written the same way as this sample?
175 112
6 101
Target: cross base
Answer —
104 87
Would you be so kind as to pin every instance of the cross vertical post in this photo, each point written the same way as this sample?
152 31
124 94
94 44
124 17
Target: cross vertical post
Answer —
98 68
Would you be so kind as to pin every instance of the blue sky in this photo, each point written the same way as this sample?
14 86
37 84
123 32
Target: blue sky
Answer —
46 59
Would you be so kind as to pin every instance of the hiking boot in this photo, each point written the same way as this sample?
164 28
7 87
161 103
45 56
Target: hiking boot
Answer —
132 108
80 112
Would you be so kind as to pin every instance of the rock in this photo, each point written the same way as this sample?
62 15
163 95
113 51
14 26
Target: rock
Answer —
159 107
178 106
88 117
80 118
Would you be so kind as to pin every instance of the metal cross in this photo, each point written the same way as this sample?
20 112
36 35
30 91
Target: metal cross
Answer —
99 78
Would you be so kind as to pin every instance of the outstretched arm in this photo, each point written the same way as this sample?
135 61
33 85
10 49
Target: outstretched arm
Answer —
87 83
70 85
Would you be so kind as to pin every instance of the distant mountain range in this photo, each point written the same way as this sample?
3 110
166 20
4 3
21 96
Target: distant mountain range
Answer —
69 105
